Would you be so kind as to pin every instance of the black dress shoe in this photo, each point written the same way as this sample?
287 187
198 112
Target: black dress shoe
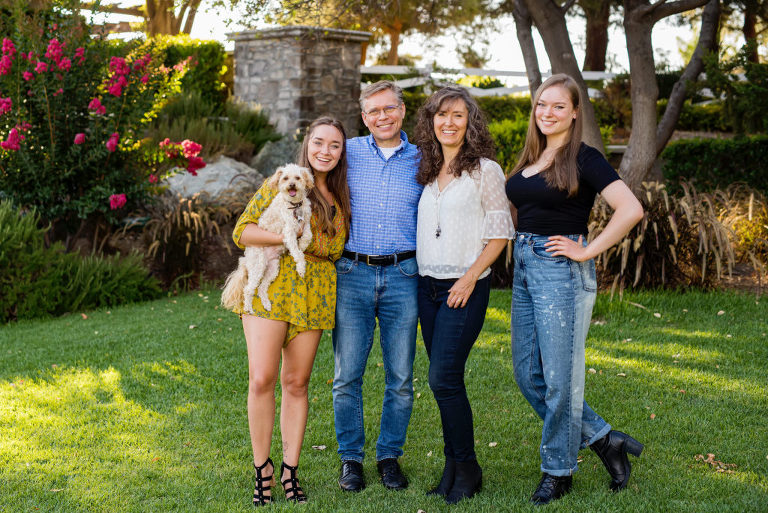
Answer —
551 488
466 483
351 478
612 450
391 475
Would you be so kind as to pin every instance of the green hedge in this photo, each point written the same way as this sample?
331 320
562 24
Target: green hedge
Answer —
717 163
206 75
37 280
710 117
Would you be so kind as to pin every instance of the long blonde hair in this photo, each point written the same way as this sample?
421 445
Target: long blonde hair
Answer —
563 173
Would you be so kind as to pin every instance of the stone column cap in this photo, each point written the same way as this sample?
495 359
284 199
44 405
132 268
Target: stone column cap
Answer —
300 32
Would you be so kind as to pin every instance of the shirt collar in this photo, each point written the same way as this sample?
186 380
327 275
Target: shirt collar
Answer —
375 147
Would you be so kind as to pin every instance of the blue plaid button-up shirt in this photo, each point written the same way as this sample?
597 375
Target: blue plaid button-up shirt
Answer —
384 195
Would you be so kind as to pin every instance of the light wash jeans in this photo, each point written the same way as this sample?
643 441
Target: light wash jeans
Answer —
363 294
552 300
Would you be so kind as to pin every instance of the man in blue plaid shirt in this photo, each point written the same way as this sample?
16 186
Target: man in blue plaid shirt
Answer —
377 279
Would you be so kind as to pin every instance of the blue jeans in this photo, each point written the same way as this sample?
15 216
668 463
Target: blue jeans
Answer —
449 334
363 294
552 300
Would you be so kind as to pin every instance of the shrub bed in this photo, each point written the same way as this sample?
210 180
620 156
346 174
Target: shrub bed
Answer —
38 281
717 163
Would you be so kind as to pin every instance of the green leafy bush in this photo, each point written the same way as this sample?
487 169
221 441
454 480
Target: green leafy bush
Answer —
37 280
509 136
236 130
717 163
72 114
205 77
709 117
746 101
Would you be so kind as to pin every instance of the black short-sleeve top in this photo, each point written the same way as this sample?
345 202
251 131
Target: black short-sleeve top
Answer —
546 211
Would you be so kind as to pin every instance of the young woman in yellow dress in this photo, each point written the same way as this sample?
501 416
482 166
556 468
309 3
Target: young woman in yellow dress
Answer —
302 307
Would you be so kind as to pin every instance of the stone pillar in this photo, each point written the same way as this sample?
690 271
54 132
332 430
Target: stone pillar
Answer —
298 73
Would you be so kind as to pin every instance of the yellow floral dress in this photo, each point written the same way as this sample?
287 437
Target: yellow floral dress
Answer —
308 302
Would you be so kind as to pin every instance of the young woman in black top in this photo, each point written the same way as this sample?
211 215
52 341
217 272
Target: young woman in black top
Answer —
553 187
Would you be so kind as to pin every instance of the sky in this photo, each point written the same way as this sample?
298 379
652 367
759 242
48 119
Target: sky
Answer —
503 49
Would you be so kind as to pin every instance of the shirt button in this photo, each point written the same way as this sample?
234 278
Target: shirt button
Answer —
379 226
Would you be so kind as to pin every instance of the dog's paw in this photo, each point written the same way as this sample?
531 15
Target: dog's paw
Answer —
267 304
301 268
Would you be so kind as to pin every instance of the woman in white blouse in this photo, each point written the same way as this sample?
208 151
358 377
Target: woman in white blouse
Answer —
463 225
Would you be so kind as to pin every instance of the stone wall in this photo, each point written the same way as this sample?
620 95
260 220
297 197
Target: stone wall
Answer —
299 73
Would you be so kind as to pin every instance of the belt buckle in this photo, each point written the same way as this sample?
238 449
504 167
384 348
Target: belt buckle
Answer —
368 260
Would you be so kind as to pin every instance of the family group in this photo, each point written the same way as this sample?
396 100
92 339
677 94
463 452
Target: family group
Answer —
404 233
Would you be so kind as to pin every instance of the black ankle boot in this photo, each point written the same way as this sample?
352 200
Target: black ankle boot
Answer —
551 488
467 481
446 482
612 450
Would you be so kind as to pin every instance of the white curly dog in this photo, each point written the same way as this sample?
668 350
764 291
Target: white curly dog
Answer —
288 214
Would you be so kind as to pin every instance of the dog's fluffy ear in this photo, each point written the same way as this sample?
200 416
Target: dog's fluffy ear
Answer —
309 180
275 179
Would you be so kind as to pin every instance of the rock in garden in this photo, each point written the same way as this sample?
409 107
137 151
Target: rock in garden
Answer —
217 178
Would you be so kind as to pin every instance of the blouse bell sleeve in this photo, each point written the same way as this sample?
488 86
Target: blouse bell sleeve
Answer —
497 223
253 210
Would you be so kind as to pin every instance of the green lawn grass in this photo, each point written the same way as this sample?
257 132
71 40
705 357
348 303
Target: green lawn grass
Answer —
143 409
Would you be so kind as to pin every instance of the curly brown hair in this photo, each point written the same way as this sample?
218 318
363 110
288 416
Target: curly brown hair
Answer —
337 178
477 141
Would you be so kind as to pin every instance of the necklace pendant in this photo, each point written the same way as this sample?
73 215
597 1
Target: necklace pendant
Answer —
437 233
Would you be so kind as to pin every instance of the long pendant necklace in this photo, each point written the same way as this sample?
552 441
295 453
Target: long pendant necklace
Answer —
438 230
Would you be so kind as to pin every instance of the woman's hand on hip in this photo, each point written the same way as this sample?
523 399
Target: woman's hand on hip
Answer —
563 246
458 295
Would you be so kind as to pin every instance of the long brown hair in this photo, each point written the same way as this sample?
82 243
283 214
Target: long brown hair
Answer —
563 173
337 179
477 141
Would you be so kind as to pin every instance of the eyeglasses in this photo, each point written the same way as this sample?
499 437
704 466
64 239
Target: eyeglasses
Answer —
388 110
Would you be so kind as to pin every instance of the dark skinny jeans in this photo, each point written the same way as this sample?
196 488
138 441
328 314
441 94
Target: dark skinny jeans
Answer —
449 334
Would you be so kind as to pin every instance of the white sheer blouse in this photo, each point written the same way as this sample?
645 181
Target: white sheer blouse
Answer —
455 224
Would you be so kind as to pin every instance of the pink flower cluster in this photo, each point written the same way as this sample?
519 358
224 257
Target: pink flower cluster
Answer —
111 143
117 201
13 140
6 61
5 105
96 106
186 148
119 69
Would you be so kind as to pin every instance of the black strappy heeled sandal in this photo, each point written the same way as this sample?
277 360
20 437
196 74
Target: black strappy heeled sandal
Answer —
293 491
263 484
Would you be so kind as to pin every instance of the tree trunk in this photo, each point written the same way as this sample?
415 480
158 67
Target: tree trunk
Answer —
394 41
641 149
160 17
639 19
750 31
710 21
523 25
550 21
363 52
598 19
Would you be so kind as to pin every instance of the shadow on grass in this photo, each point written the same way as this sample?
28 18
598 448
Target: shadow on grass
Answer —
143 409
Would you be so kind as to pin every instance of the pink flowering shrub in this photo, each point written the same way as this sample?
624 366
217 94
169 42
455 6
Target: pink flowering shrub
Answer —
73 111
